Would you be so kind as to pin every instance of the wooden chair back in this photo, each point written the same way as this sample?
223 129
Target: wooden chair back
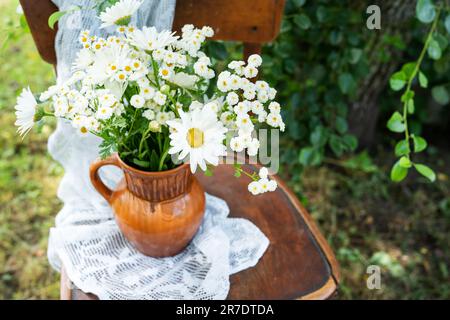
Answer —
252 22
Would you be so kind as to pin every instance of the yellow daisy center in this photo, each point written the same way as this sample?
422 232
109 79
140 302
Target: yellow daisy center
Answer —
195 137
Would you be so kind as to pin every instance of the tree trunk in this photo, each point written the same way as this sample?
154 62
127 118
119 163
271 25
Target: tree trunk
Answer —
364 111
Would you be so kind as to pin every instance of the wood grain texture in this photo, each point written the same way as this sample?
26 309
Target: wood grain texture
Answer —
251 21
37 13
298 263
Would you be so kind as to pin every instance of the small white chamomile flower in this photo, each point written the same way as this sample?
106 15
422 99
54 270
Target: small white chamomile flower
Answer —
236 144
250 72
254 188
160 98
263 97
253 147
104 113
137 101
255 60
274 107
263 173
147 92
241 108
232 98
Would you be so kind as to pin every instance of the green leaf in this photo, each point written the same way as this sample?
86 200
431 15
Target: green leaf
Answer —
427 172
408 95
397 81
447 23
310 156
54 17
423 80
398 173
425 11
434 50
420 143
302 21
405 162
346 83
395 123
355 55
341 125
402 148
141 163
337 145
408 69
299 3
411 106
217 50
440 95
350 141
318 137
361 162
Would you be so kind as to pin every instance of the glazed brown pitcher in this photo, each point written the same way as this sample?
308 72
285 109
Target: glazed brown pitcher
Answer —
158 212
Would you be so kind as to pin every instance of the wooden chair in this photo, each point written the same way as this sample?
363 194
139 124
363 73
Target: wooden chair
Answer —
298 264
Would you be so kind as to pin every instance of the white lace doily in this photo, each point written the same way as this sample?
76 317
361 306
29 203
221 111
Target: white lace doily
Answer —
86 239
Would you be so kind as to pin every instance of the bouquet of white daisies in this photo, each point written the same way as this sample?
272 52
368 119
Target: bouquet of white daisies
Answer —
154 98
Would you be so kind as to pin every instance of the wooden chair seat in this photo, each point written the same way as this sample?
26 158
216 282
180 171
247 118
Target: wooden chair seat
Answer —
298 263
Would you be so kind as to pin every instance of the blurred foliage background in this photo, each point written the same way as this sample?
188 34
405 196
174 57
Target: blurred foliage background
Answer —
332 76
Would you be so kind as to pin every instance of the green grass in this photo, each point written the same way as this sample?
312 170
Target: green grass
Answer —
366 219
28 176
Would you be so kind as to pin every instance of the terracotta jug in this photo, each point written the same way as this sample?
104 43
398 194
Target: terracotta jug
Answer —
158 212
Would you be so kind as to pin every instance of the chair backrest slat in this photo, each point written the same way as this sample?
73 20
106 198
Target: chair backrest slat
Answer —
252 22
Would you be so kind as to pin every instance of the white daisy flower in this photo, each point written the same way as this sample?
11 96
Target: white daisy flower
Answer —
253 147
147 92
150 39
254 188
250 72
165 72
149 114
249 94
263 173
274 119
198 137
262 85
262 116
137 101
160 98
272 186
25 111
232 98
263 97
236 144
104 113
255 60
184 80
241 108
120 13
272 93
274 107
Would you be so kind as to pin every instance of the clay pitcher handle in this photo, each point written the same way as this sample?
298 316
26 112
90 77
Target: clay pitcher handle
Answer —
95 178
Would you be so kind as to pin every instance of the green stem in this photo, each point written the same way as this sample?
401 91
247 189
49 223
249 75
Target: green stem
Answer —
163 158
251 176
141 143
414 74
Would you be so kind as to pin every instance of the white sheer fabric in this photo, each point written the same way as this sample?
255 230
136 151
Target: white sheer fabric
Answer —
86 239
